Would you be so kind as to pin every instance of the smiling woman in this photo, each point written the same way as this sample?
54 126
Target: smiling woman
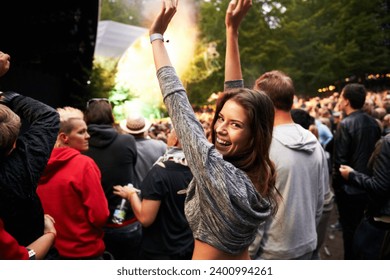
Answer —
243 123
233 186
232 131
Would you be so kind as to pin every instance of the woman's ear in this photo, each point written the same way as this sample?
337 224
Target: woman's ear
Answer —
63 138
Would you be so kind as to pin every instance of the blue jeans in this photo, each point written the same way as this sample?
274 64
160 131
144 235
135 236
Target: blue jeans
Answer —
124 243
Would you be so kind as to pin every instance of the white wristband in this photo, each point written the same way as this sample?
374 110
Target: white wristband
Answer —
156 36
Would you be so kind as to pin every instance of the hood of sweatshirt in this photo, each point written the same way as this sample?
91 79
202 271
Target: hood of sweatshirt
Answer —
102 135
59 157
295 137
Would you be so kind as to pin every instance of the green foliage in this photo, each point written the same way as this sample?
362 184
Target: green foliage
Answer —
124 11
119 96
103 85
317 43
102 80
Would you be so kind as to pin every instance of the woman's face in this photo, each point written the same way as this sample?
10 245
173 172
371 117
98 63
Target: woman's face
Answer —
78 137
232 130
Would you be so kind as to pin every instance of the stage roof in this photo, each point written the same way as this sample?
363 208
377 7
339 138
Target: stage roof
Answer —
114 38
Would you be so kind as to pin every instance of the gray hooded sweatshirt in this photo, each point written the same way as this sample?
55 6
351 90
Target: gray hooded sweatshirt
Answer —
302 179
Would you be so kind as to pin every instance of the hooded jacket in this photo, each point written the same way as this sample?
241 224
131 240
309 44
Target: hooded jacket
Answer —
116 155
302 179
71 192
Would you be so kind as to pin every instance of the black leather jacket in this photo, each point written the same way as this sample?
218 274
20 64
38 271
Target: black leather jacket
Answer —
354 143
20 207
378 185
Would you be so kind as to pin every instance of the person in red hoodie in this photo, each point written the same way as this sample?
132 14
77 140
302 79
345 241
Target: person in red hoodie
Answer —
71 192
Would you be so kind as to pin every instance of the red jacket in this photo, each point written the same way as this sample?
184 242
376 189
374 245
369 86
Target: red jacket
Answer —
9 247
71 192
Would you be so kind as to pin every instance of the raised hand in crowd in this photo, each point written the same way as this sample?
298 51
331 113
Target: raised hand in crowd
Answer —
4 63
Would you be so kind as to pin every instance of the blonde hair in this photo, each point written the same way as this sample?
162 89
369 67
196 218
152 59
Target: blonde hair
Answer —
67 115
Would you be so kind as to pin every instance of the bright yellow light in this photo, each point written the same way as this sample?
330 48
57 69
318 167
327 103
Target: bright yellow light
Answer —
136 70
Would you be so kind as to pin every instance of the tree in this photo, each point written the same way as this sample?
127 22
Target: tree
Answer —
124 11
317 43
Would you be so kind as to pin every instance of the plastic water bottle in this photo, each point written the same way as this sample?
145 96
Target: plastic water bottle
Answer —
120 212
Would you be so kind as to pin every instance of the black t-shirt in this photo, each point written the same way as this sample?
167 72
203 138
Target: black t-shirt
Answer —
170 233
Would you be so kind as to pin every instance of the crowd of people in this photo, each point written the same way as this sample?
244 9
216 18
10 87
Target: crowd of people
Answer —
253 177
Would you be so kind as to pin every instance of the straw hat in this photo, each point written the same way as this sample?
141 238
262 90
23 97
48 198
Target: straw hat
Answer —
135 124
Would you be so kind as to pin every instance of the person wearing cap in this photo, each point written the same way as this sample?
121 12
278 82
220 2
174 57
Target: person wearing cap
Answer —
148 150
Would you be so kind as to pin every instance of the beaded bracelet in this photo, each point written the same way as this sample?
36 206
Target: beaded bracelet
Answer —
55 235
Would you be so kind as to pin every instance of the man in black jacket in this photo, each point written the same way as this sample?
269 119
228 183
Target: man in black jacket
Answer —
354 143
23 158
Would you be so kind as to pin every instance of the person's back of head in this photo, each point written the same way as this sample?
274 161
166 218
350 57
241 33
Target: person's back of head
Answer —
302 118
356 95
136 125
9 130
279 87
172 140
326 121
380 113
386 121
369 108
99 111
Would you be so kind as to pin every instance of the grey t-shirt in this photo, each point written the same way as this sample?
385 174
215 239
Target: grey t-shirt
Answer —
149 151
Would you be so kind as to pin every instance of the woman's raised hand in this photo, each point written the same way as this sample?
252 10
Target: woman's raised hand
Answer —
235 12
163 19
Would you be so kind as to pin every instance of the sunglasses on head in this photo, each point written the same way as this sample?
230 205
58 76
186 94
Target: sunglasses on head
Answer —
92 100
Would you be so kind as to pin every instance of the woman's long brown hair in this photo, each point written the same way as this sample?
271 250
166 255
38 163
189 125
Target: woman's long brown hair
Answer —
255 160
